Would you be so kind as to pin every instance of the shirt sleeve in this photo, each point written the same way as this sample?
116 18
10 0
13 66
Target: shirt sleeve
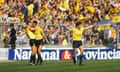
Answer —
41 30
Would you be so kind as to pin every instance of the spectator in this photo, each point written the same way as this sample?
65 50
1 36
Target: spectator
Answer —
12 36
111 37
5 37
58 13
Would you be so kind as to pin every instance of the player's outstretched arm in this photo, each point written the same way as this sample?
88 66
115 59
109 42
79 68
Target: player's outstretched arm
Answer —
88 27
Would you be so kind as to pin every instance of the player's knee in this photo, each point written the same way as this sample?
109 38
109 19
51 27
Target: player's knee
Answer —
34 51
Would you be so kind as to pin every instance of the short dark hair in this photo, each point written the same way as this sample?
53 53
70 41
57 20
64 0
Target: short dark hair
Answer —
35 21
78 23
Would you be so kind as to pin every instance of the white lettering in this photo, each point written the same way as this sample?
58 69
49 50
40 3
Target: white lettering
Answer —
45 55
98 53
117 55
17 54
103 55
25 55
58 56
52 56
114 52
94 55
110 55
88 55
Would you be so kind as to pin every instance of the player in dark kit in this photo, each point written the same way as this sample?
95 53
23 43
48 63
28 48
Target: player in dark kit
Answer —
12 36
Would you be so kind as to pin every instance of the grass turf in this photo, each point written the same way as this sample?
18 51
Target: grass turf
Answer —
62 66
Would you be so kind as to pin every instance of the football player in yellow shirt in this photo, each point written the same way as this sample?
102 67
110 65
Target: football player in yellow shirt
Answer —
77 34
30 33
39 35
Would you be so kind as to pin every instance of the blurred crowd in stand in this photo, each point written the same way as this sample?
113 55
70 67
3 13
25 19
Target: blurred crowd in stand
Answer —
54 15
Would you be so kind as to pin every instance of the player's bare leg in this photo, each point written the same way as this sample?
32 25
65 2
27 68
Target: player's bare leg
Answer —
39 60
81 55
33 57
74 56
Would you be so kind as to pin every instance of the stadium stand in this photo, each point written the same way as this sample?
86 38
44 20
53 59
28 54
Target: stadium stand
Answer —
54 15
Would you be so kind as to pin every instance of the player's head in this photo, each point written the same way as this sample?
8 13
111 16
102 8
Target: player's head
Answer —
78 24
34 22
31 26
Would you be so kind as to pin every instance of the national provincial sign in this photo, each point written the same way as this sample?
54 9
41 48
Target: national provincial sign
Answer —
66 54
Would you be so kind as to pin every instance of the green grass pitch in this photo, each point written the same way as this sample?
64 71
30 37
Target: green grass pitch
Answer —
62 66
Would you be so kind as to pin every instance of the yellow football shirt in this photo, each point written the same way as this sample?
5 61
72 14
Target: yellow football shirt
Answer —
30 34
77 34
38 33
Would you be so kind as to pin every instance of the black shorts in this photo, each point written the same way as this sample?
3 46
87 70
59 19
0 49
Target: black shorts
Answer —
77 44
39 42
32 42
